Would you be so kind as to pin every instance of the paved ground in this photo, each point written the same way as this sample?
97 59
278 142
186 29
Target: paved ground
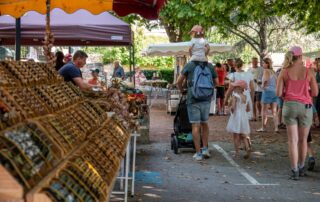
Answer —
164 176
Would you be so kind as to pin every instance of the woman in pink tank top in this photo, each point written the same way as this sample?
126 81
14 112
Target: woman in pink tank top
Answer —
296 85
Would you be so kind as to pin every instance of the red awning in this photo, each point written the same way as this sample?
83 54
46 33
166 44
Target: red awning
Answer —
148 9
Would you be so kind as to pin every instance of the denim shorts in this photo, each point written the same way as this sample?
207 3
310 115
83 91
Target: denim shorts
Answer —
199 112
269 97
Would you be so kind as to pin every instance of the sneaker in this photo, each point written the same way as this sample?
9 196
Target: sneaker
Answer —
197 157
302 172
294 175
282 126
311 163
205 153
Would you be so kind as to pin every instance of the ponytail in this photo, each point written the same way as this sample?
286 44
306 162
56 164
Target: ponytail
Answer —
289 58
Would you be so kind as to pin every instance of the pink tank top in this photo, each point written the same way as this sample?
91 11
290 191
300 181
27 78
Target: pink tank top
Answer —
297 90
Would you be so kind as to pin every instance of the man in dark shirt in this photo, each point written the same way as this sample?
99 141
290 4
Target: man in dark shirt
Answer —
71 70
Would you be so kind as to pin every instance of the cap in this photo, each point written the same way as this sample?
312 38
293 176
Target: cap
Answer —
240 83
196 28
297 51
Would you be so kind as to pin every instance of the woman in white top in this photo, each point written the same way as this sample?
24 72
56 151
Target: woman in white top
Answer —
248 78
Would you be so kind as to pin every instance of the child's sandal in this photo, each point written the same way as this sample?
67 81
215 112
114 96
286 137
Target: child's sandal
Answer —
261 130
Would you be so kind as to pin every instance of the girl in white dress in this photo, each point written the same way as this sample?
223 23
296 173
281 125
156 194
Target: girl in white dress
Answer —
245 76
239 122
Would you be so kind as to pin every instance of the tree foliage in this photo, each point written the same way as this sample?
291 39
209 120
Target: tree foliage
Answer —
141 41
178 18
305 13
254 21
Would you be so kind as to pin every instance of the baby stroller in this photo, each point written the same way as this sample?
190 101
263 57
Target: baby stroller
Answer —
182 136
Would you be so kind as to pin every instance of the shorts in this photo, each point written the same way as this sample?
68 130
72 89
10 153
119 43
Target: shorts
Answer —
297 113
199 112
220 92
269 97
257 96
309 137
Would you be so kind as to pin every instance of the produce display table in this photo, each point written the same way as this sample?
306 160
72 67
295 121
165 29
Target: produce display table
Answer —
57 143
156 87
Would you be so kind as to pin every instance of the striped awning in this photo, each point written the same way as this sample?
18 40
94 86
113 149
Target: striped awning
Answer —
146 8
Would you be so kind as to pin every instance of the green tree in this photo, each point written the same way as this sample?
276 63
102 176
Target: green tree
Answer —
141 41
254 21
305 13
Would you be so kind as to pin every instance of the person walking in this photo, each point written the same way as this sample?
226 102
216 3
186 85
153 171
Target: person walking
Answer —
297 85
269 97
248 78
317 99
198 108
238 123
221 72
257 73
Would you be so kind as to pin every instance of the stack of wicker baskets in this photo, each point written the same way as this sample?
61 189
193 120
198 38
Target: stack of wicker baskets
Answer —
53 139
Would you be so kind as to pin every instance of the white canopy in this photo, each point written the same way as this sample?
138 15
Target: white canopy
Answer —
315 54
181 48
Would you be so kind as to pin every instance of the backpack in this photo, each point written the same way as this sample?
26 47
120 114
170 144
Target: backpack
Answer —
202 85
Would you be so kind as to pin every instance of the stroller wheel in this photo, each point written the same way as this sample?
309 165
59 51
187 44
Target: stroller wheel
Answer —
172 141
175 145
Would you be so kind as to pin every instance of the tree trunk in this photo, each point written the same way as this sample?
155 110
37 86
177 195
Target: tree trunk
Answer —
174 34
263 39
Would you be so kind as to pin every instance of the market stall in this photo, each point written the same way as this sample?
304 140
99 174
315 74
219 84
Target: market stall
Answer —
80 28
55 140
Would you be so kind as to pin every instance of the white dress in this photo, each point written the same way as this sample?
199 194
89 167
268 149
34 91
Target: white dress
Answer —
239 120
247 77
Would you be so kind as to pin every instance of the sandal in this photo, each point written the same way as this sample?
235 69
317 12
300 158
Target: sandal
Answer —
261 130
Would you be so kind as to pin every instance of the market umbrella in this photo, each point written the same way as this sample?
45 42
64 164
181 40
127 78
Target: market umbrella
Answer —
146 8
181 49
